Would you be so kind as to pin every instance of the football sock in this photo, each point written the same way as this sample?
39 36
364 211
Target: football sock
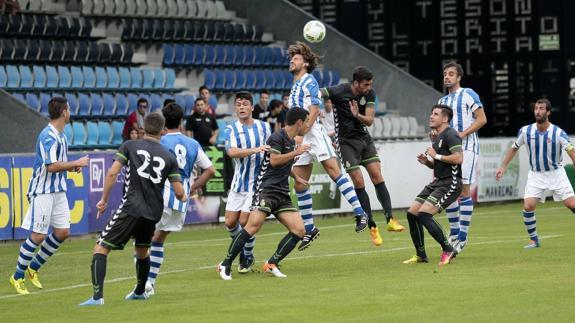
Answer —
142 271
26 253
286 245
466 211
530 222
346 188
98 274
156 260
236 246
366 205
235 230
452 212
249 247
47 249
416 232
385 200
434 230
305 209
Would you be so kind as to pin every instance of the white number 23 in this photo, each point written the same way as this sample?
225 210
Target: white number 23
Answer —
157 177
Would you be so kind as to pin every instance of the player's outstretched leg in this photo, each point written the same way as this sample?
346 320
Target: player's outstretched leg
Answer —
436 232
286 245
452 212
417 236
48 247
530 222
27 250
156 261
347 190
236 246
366 205
98 270
142 272
465 211
304 203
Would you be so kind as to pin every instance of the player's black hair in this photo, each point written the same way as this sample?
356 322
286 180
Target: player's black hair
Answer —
275 104
154 123
203 87
295 114
457 66
199 99
265 92
245 96
361 73
174 115
168 102
445 111
305 51
142 100
56 106
546 102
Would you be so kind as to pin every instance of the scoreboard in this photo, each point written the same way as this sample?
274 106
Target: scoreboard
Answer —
513 51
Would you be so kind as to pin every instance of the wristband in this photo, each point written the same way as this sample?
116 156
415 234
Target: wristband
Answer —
438 157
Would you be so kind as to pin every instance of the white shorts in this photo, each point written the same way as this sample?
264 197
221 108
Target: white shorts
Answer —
469 167
47 210
239 202
555 181
172 220
321 147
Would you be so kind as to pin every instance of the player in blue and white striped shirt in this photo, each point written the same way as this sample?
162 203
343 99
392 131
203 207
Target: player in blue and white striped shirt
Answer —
188 154
468 118
47 197
305 94
545 145
246 143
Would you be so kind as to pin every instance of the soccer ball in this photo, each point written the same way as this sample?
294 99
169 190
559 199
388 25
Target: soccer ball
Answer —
314 31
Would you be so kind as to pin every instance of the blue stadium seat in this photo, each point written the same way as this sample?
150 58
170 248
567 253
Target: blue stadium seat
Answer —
32 101
261 83
213 101
289 80
3 77
189 54
219 85
44 99
20 97
101 78
83 105
170 78
240 79
148 76
317 75
89 77
278 56
51 77
270 80
113 77
249 56
64 77
121 105
156 102
222 134
181 101
168 59
190 100
93 132
230 80
77 77
13 77
117 128
69 133
209 55
334 77
97 104
26 79
258 56
220 55
209 78
199 55
229 55
159 78
250 80
109 105
166 96
124 77
72 102
106 134
132 103
79 136
135 78
239 55
280 79
179 54
268 59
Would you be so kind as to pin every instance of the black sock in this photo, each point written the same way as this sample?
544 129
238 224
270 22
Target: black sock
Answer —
285 246
416 232
573 210
98 274
384 199
236 247
434 229
142 271
363 198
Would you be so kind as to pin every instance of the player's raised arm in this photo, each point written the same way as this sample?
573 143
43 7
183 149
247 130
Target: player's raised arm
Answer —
209 171
278 159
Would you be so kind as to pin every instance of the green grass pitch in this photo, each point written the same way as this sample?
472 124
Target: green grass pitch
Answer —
341 277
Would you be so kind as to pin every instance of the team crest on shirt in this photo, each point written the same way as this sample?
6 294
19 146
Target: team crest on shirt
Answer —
263 203
362 101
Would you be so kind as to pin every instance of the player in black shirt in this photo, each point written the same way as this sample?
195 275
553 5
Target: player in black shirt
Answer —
353 111
445 158
148 165
272 196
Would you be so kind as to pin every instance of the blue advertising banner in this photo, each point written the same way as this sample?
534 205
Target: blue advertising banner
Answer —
6 232
77 196
98 168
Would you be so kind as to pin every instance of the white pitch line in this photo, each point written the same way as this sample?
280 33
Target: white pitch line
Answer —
356 253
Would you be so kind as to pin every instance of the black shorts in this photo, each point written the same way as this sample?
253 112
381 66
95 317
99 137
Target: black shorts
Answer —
273 202
122 227
441 192
357 152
